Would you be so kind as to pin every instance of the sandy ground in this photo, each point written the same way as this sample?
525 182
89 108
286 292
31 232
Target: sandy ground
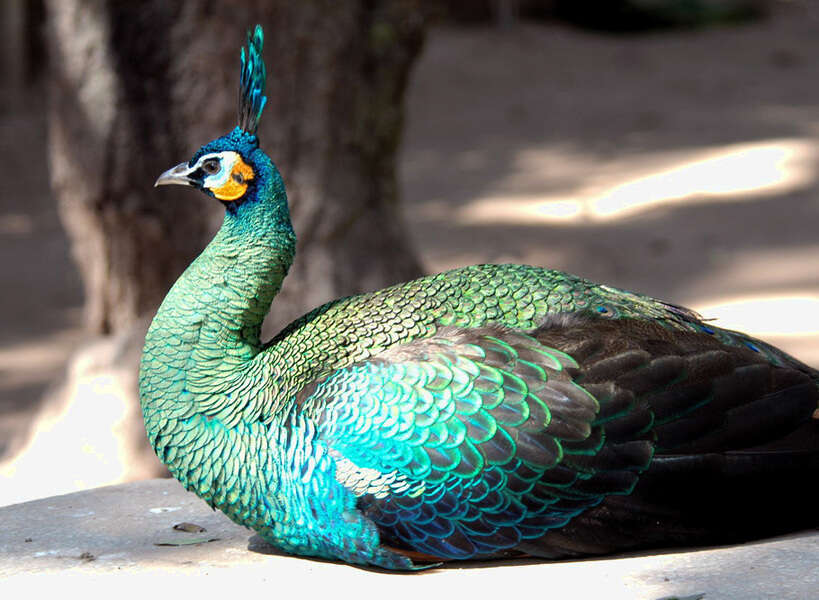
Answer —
684 165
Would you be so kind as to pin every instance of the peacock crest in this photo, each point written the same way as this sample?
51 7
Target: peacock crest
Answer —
252 81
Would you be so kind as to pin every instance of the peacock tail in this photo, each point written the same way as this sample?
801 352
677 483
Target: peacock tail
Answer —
489 411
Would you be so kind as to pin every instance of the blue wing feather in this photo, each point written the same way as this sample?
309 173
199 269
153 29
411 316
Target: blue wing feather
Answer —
448 443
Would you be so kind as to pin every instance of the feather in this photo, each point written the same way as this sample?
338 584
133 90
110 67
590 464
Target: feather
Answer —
252 81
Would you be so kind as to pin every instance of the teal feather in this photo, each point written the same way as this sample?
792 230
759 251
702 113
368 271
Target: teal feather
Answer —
251 82
489 411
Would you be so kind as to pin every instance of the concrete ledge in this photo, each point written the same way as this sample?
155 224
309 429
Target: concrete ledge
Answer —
104 541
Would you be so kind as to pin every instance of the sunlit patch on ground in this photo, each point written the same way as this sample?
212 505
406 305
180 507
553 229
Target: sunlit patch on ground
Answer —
788 320
77 446
86 436
735 172
767 315
739 171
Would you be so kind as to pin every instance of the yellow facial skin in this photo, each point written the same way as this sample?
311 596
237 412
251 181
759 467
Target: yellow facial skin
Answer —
236 184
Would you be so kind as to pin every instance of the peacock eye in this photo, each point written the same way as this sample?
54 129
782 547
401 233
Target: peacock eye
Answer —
211 166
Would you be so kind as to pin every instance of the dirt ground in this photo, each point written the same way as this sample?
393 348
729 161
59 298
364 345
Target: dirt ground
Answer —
680 164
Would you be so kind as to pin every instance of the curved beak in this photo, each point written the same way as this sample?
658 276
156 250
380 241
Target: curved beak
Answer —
177 175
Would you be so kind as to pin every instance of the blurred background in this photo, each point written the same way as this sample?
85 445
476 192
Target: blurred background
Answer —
669 147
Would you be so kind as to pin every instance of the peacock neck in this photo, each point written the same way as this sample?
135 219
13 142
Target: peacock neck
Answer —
198 378
233 283
200 347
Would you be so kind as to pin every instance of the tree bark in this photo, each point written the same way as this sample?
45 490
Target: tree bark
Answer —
138 87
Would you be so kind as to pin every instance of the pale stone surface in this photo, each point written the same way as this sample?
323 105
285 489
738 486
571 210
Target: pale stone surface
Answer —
104 541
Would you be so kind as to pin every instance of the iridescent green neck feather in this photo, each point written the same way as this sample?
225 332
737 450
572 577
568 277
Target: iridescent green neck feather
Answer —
228 289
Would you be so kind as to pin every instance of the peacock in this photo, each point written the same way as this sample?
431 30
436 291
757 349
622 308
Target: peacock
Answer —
488 411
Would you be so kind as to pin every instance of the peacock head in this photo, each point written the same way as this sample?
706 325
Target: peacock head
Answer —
231 168
226 168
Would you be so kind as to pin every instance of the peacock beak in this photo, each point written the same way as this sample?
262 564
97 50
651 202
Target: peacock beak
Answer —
179 175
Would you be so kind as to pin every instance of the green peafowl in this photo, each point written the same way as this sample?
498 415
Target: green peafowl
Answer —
489 411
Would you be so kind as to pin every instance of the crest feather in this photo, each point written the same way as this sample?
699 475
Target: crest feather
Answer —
251 82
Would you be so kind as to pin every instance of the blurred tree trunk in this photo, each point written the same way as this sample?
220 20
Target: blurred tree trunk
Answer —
138 87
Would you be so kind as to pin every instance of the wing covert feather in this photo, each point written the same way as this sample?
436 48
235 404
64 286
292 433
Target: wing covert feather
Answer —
479 442
462 445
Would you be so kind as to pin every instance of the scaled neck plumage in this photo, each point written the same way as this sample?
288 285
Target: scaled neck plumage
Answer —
207 331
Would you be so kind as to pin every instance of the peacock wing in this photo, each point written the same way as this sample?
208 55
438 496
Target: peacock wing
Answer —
485 442
734 423
469 443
